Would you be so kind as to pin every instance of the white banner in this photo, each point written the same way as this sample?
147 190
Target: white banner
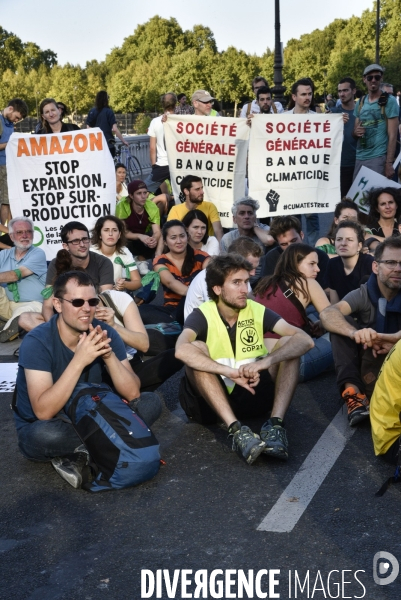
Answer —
53 179
294 163
213 149
363 183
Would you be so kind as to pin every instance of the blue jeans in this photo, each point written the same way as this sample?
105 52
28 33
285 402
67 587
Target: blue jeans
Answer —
317 360
43 440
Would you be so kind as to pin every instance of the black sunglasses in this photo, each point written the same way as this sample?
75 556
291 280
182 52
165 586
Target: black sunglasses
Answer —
78 302
375 77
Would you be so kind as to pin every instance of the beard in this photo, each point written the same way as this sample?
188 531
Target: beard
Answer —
23 246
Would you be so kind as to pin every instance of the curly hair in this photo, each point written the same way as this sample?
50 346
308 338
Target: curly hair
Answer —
373 201
287 270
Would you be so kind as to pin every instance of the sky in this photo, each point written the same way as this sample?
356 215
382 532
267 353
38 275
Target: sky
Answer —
82 30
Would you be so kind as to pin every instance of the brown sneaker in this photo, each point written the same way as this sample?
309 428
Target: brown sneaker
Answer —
357 406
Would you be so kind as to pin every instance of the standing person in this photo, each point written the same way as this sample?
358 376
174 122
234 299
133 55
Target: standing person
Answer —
177 268
376 126
254 107
142 221
103 117
51 118
108 239
347 271
15 111
22 278
196 224
289 292
385 211
302 96
219 384
202 102
183 107
157 146
121 188
192 189
346 91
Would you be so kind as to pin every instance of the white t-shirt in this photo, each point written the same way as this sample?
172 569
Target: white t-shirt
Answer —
126 257
256 110
156 130
212 246
123 193
122 300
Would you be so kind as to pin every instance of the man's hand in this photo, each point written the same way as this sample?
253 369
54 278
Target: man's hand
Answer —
92 345
365 336
105 314
345 117
383 343
388 170
249 120
359 131
152 242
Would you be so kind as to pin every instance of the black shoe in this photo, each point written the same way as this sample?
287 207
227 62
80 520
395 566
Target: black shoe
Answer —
70 467
247 444
275 439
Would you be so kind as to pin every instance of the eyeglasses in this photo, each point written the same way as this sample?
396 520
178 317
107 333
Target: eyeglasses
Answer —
79 302
84 240
390 264
374 77
207 102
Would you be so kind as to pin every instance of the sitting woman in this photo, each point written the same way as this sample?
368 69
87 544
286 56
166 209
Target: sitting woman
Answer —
288 292
108 239
385 210
177 268
51 116
346 210
196 224
121 188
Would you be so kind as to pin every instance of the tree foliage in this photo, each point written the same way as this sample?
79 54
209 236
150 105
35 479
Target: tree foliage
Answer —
160 56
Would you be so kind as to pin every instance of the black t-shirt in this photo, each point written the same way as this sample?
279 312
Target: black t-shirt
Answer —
198 323
99 269
64 128
342 283
268 264
105 119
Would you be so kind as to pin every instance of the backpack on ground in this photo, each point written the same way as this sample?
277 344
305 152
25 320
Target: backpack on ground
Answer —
162 336
122 449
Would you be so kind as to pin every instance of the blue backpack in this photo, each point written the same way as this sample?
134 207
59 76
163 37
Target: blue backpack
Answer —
123 450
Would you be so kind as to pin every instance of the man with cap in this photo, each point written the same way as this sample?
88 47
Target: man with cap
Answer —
376 125
142 222
202 102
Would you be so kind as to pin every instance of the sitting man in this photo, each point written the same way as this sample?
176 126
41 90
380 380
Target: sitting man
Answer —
192 190
197 292
287 230
229 373
347 271
72 347
76 242
22 277
359 346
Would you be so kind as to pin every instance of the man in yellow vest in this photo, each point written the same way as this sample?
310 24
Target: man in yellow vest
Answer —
229 373
202 102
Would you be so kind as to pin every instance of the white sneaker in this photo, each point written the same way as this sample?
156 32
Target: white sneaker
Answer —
143 267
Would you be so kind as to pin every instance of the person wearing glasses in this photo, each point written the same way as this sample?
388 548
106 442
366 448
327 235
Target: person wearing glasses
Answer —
22 278
376 125
15 111
361 342
202 102
72 347
75 255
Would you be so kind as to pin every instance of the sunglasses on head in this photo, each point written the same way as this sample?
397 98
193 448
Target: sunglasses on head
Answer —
79 302
373 77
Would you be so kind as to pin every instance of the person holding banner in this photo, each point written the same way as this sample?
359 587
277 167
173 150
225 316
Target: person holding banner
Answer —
254 106
108 239
202 102
52 118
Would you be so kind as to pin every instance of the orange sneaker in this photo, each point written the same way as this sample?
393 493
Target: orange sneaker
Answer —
357 406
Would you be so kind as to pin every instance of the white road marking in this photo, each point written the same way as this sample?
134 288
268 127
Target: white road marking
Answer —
293 502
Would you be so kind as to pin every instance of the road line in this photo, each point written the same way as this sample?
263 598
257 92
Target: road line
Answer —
293 502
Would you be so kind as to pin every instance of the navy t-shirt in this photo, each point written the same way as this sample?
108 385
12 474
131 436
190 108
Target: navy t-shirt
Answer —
342 283
104 119
348 151
43 350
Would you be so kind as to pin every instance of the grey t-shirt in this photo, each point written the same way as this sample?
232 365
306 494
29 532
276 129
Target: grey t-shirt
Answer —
361 306
99 269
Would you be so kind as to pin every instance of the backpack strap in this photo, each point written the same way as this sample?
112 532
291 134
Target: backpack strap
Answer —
274 107
107 301
248 109
289 294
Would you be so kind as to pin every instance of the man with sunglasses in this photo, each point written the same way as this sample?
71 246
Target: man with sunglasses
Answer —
15 111
360 342
76 241
72 347
376 126
202 102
